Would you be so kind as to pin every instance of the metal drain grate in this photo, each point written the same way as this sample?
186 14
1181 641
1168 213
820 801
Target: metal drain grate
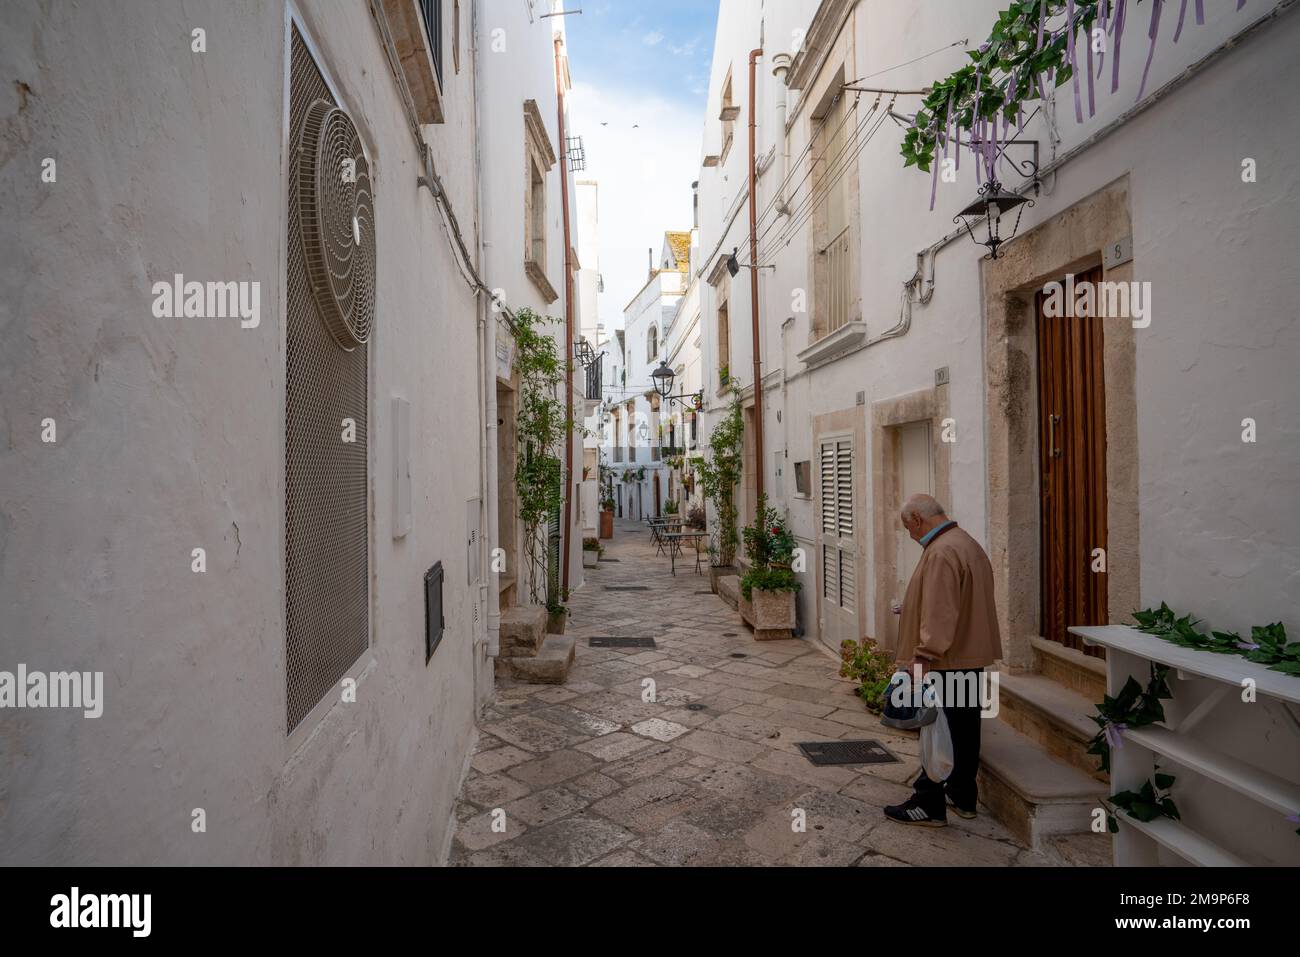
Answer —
621 643
739 654
626 588
614 560
696 707
706 591
728 634
823 753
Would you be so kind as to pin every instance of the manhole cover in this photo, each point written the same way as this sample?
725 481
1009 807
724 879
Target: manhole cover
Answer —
739 654
696 707
626 588
846 752
621 643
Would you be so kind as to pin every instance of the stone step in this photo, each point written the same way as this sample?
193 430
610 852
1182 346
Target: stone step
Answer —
550 666
729 590
1037 796
1052 715
523 629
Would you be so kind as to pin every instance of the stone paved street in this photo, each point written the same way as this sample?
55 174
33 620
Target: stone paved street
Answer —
708 774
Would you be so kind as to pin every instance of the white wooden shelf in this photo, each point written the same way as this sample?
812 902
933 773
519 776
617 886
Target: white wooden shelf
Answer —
1183 841
1268 789
1179 744
1231 669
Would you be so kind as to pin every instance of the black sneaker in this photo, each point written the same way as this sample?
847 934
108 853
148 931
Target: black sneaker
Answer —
961 812
911 812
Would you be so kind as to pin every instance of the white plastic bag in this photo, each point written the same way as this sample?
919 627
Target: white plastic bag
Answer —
936 749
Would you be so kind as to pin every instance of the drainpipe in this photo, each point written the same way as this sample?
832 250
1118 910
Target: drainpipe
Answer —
759 460
489 530
567 471
780 69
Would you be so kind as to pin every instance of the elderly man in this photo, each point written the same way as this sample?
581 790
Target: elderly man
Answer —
949 625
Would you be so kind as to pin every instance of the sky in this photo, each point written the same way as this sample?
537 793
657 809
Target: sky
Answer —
640 75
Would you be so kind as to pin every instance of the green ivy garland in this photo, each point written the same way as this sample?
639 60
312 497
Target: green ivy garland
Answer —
1149 802
976 91
1133 707
1267 645
1025 56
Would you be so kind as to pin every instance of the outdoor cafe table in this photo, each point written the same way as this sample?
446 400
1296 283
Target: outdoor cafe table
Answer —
675 540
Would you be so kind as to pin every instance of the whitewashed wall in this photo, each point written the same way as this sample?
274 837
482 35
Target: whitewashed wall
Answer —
171 436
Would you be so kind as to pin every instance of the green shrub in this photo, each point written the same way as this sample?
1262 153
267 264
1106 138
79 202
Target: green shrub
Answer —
872 667
768 579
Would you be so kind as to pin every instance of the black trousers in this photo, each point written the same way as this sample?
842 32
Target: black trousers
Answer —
964 726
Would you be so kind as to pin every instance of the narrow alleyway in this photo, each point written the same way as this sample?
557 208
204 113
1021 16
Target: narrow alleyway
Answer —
709 773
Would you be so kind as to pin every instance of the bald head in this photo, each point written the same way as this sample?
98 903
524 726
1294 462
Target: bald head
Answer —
922 514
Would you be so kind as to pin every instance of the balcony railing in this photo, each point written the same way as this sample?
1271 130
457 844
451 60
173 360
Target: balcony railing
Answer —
593 383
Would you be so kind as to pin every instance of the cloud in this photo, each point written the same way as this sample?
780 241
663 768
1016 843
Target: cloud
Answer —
645 178
653 39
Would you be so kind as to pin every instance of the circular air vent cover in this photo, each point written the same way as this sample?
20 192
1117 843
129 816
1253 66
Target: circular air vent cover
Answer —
336 216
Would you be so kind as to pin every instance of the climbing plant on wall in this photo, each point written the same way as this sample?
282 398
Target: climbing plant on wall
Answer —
719 472
540 430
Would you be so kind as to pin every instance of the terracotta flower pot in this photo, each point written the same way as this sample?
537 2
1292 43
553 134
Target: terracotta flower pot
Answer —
607 524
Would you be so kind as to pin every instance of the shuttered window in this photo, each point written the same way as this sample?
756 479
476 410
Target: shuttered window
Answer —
839 552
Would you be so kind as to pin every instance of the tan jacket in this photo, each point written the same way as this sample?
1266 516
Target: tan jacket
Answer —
949 617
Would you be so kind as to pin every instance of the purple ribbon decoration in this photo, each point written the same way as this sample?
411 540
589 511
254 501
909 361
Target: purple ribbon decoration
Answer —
1120 8
1293 818
1092 100
1115 735
1247 646
1200 13
1153 33
1182 15
1073 59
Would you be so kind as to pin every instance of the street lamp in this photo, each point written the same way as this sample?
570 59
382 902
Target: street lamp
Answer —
585 355
992 204
663 379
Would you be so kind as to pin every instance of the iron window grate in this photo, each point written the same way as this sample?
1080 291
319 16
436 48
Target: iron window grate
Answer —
327 595
822 753
431 11
434 621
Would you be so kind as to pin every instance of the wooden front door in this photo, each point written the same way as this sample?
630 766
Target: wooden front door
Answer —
1072 466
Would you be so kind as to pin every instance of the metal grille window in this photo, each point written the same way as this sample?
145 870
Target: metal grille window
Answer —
330 236
431 10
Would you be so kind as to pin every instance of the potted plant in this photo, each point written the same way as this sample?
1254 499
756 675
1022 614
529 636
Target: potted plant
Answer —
591 552
769 586
671 507
557 614
607 517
